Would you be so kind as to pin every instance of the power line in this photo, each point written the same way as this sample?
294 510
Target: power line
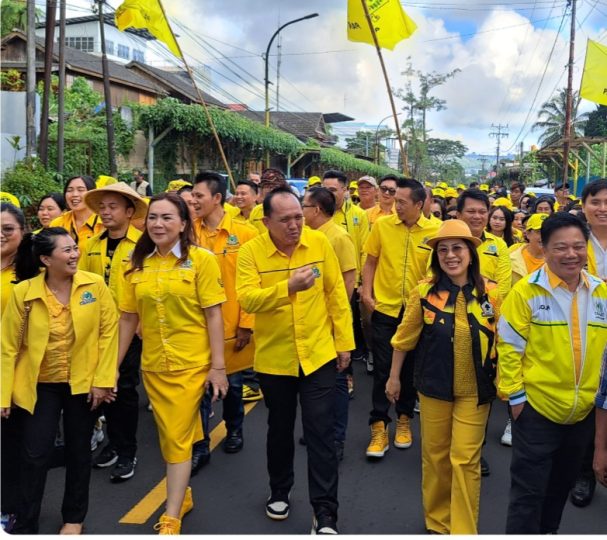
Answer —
499 135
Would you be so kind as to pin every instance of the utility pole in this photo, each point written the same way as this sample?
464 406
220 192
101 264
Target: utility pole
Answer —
30 82
499 135
49 37
278 61
107 95
61 90
567 133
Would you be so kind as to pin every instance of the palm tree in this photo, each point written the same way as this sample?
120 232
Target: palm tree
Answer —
551 118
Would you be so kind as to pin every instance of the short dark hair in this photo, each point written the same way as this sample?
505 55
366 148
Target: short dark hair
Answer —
252 185
17 213
57 197
518 185
593 188
472 193
214 181
388 177
184 189
324 198
544 198
418 192
561 220
88 182
267 202
332 173
473 185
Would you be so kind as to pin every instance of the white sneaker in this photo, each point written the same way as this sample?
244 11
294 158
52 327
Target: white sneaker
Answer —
507 436
97 438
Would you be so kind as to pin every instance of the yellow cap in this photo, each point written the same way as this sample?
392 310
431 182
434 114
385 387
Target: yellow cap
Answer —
353 184
503 201
530 193
9 198
534 223
427 184
103 181
438 192
176 185
461 186
484 187
442 185
313 181
451 192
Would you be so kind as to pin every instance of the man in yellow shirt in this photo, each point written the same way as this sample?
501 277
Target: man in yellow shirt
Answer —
318 209
290 278
397 259
108 254
221 234
367 192
245 199
385 206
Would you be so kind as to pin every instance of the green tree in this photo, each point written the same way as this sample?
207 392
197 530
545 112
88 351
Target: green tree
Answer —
551 118
368 144
596 126
13 14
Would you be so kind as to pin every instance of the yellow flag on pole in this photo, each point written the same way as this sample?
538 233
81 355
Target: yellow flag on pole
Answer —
594 78
147 14
390 21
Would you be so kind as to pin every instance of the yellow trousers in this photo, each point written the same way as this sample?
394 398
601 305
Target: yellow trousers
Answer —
452 438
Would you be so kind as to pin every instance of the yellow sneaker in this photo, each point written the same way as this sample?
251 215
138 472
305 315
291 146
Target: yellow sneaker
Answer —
168 525
379 444
403 437
249 394
187 504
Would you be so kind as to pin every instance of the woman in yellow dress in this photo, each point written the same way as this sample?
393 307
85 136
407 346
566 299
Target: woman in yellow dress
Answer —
79 221
174 290
59 351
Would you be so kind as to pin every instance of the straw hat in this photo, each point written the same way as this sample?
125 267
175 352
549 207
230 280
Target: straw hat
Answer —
93 198
451 229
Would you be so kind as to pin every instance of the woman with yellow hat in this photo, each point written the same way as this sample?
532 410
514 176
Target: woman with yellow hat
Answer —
449 327
78 221
174 290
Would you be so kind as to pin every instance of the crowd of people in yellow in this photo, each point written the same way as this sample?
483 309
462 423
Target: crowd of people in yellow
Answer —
455 298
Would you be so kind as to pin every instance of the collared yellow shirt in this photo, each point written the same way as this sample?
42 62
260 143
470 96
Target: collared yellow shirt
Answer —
55 365
495 262
170 300
225 242
403 258
375 211
231 209
6 282
94 258
90 227
303 330
355 222
342 244
256 219
239 217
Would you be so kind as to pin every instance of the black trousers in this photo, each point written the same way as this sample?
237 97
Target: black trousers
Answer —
316 397
384 327
39 430
122 415
10 461
361 350
546 458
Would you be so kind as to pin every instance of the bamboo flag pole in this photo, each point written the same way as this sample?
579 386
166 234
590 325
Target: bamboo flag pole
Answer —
388 87
202 101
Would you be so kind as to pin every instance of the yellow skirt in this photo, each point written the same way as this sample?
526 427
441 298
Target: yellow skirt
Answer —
175 397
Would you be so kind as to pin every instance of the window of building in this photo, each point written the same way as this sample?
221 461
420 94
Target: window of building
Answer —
138 55
85 44
109 46
123 51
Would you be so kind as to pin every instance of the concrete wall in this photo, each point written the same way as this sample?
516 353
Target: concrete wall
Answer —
12 122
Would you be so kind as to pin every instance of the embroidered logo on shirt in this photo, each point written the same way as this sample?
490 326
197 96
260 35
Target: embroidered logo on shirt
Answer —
599 310
186 264
487 309
316 272
355 220
492 248
87 298
232 240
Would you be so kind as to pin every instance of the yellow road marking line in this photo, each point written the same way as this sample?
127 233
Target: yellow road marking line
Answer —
146 507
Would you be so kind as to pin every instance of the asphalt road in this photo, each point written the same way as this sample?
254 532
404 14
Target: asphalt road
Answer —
375 497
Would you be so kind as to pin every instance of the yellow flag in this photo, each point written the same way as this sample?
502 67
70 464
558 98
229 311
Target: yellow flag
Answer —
391 23
149 15
594 78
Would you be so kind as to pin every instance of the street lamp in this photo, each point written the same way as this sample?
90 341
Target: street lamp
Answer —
267 82
376 136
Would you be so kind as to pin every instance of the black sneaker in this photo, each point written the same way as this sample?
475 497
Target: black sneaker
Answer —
277 506
106 458
124 469
324 524
485 470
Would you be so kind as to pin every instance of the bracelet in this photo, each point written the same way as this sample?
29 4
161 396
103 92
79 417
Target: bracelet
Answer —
219 368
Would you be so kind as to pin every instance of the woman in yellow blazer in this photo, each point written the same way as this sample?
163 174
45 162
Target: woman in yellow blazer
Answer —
12 226
174 290
79 221
59 351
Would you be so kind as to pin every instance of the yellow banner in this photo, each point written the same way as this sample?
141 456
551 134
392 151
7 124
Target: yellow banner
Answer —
391 23
149 15
594 78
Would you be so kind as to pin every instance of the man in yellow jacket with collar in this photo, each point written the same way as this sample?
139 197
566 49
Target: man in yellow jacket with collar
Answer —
108 254
552 332
220 233
291 279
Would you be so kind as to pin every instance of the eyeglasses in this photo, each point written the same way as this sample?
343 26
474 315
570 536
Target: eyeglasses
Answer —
9 230
388 190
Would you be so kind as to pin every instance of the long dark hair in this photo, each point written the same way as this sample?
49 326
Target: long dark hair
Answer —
145 245
474 270
57 197
32 247
509 217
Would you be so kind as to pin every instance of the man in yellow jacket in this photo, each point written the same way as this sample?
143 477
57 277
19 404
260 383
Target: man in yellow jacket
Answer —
290 278
221 234
552 332
108 254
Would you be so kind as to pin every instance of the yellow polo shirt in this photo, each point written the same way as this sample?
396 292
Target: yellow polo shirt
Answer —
403 259
303 330
90 227
342 244
375 211
256 219
225 242
170 300
495 262
355 222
